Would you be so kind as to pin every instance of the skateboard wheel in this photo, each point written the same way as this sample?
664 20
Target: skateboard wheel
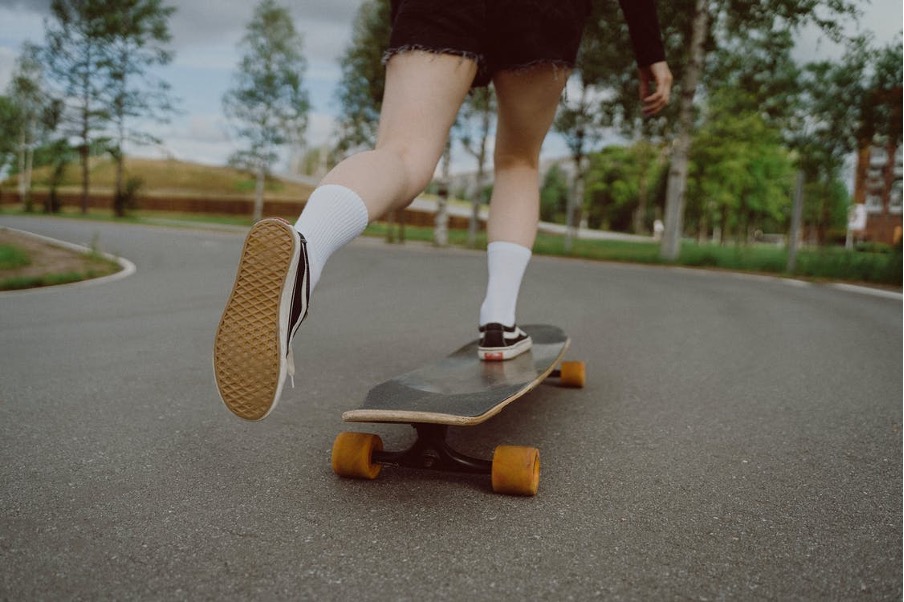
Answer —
353 455
516 470
572 374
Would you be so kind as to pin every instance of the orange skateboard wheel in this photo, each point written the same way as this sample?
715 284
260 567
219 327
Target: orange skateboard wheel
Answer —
353 455
573 374
516 470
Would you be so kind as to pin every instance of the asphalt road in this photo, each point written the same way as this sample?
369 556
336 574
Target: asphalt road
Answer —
739 437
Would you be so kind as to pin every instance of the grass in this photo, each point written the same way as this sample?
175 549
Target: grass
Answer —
22 282
180 177
80 267
818 264
12 257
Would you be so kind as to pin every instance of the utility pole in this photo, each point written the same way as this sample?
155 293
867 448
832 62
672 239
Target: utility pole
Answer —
796 211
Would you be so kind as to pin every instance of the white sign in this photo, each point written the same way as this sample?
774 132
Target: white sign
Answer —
857 217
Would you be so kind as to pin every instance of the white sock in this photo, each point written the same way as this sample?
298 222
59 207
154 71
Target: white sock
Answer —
333 217
506 263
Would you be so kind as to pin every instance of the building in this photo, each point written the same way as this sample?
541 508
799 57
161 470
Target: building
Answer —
878 187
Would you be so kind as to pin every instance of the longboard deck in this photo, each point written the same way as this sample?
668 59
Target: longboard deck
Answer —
460 389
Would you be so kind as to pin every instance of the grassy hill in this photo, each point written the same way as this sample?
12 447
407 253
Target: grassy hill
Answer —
169 177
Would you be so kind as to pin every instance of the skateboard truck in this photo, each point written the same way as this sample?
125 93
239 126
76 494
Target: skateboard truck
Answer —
513 470
432 451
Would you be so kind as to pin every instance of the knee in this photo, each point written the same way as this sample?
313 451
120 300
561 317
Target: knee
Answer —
506 160
415 167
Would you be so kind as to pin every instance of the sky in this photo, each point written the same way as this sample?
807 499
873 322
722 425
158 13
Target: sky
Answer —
205 38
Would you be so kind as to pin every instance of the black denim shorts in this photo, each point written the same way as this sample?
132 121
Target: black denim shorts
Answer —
498 34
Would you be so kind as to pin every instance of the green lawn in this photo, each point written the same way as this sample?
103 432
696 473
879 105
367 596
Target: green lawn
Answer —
831 263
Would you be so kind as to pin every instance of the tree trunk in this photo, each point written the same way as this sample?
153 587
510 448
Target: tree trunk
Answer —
85 150
575 204
797 208
477 197
120 201
674 201
22 189
640 213
475 204
441 221
29 162
118 194
259 193
83 156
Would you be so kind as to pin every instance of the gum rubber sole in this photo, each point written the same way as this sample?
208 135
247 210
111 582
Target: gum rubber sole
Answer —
250 346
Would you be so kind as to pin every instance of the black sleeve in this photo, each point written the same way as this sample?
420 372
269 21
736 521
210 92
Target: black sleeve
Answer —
643 25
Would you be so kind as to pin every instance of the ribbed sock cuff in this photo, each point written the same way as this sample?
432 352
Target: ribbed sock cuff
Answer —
333 217
506 264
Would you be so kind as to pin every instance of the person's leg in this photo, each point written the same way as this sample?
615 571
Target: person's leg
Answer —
423 94
278 267
527 101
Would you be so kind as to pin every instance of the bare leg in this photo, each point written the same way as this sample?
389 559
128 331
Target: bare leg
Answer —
423 94
527 106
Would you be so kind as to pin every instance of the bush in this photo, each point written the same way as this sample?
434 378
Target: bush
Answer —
128 199
841 264
872 247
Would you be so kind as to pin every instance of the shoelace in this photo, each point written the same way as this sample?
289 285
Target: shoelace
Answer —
290 365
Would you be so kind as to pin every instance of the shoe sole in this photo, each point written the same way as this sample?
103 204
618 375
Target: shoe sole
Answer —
497 354
251 342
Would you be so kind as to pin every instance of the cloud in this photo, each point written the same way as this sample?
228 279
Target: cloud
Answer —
320 129
34 6
324 24
7 64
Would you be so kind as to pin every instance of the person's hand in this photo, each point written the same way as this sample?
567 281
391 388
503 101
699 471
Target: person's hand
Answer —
655 87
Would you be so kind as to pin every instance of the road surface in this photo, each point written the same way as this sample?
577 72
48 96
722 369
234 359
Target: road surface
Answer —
739 437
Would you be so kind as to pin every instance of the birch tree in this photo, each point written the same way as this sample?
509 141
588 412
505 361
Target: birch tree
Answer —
27 91
474 126
74 57
138 36
714 23
360 92
267 105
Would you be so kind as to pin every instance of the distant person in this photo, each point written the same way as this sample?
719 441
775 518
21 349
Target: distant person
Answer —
658 229
438 51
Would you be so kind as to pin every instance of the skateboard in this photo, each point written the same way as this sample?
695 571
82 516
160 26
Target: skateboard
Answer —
458 390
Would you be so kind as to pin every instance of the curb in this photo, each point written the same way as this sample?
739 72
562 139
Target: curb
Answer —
128 268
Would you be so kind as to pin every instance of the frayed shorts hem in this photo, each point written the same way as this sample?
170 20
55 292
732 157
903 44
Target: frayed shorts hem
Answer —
484 75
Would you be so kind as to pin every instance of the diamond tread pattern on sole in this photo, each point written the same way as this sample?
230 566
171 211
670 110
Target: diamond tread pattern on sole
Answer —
248 345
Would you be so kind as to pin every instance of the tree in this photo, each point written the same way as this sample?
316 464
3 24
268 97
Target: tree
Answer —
714 24
845 107
607 96
474 126
554 195
578 123
267 105
739 171
619 184
361 88
137 33
75 38
360 92
26 89
10 121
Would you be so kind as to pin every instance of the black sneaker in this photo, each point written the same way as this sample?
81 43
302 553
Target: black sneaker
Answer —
498 342
252 352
